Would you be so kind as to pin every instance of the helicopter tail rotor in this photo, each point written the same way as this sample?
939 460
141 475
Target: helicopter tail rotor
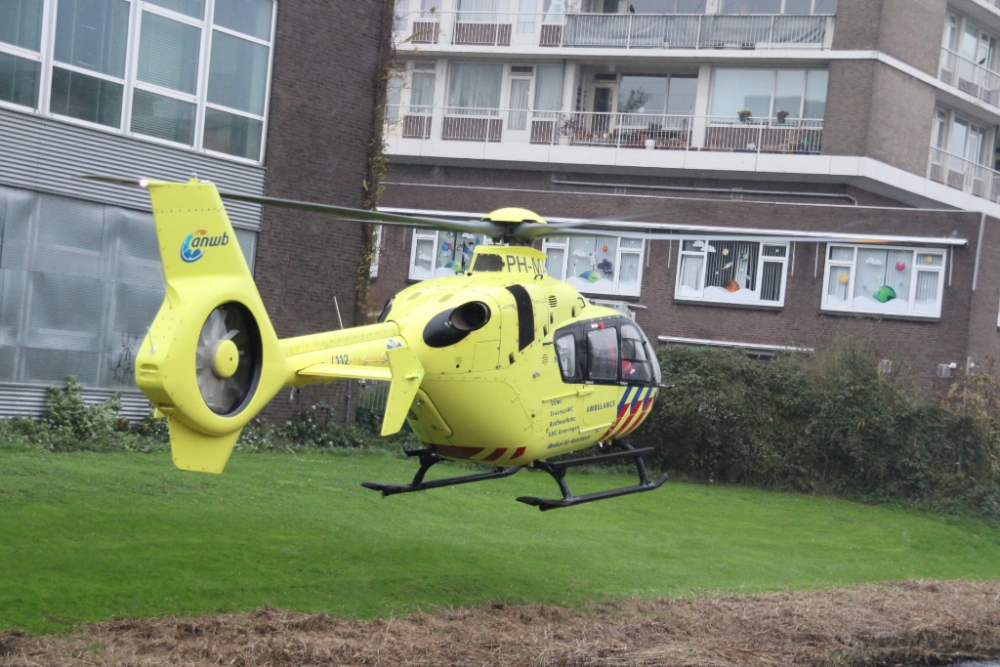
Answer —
211 359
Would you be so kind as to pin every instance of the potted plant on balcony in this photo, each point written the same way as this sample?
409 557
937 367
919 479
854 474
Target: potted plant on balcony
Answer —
745 115
781 115
653 133
568 125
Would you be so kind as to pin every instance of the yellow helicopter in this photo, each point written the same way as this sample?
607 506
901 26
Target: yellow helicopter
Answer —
502 365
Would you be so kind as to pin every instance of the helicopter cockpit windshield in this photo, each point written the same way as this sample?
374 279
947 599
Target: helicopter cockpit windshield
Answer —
610 350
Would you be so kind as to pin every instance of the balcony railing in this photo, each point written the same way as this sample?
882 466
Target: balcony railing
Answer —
963 174
615 130
970 77
628 31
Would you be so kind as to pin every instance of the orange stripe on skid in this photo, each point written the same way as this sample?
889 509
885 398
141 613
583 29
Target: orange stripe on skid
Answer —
497 453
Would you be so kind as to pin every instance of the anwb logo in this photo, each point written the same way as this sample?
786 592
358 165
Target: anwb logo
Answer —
191 248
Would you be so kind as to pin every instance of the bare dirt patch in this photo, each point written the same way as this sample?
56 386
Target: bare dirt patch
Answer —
925 622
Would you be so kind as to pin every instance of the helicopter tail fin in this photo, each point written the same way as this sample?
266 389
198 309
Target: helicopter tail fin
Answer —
211 359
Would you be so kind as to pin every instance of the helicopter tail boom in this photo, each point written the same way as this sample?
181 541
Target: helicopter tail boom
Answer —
211 360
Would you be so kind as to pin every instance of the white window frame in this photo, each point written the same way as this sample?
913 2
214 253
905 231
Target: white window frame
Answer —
761 260
914 266
420 233
46 56
617 290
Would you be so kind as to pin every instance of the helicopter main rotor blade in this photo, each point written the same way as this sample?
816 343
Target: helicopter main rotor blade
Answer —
484 227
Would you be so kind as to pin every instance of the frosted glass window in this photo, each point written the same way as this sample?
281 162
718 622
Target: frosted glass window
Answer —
168 53
22 23
596 265
548 88
237 76
422 95
555 262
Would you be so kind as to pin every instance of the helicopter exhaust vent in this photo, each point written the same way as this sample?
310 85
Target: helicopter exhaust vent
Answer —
553 301
545 359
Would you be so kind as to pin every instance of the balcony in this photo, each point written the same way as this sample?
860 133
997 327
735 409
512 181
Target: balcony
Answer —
518 128
621 31
965 175
970 77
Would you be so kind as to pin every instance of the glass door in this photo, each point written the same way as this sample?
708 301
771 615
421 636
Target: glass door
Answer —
519 105
599 122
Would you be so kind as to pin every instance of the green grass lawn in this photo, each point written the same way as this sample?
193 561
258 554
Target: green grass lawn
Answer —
96 536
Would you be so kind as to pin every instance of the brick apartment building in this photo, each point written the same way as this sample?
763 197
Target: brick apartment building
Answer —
810 167
260 96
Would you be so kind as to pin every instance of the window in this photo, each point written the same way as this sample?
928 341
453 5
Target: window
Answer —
638 361
566 351
602 354
960 153
673 95
474 89
596 265
435 254
20 51
890 281
717 270
765 92
779 7
189 72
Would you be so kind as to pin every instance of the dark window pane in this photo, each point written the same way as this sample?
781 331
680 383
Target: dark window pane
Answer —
683 91
251 17
237 75
229 133
21 24
193 8
602 354
826 7
19 80
86 97
93 34
163 117
770 287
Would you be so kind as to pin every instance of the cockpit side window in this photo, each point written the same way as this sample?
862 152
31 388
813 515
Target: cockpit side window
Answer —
637 359
602 354
566 351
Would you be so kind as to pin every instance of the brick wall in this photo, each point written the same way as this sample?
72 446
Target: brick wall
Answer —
984 333
848 107
857 24
322 94
902 114
915 346
911 30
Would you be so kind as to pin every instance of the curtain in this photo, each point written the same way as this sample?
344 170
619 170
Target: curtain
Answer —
474 89
555 262
690 274
481 11
548 89
422 95
518 120
168 53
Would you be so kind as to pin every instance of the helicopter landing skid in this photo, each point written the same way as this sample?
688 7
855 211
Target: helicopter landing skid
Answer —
427 459
558 472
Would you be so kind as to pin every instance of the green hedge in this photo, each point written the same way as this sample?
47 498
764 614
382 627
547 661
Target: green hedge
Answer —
827 422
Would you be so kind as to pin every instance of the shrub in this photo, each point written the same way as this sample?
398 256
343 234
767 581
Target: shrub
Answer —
826 422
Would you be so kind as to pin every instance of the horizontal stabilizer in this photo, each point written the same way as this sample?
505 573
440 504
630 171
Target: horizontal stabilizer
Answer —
339 372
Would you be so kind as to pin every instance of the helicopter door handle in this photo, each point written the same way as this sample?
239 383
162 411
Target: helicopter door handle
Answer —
584 392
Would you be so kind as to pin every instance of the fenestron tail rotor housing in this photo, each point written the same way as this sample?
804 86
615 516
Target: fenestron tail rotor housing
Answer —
227 359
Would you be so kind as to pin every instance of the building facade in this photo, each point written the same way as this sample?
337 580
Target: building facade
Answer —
238 92
809 167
